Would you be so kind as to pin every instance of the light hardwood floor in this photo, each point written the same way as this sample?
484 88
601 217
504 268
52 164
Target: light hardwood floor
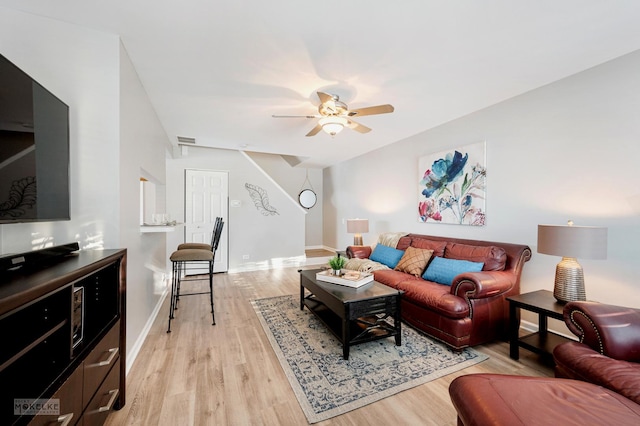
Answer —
319 253
228 374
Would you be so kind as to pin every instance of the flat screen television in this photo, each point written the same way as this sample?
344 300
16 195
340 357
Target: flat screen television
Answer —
34 150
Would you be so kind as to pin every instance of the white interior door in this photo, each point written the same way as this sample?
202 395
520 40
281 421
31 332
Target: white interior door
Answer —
206 197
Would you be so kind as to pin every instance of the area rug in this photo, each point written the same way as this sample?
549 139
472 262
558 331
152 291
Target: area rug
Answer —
325 384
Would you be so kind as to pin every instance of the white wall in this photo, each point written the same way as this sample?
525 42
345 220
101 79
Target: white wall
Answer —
114 134
266 239
143 147
293 180
568 150
79 66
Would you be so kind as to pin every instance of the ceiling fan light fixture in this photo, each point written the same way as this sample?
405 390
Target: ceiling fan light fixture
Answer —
334 115
333 125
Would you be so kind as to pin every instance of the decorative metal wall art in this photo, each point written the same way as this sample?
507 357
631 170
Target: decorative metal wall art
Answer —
260 200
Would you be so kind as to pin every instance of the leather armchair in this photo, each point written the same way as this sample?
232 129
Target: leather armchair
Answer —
607 356
503 400
608 353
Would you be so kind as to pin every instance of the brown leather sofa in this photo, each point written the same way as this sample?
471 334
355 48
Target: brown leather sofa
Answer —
473 310
597 379
608 353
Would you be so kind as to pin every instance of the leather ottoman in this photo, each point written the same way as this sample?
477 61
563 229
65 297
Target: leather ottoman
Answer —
494 399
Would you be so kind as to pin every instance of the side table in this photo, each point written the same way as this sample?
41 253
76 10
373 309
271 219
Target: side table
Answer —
546 306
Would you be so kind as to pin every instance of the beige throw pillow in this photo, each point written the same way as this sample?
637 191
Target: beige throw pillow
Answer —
414 261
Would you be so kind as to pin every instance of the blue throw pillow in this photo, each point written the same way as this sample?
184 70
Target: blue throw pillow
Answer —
443 271
386 255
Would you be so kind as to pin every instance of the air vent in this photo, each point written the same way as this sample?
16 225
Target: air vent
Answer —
182 139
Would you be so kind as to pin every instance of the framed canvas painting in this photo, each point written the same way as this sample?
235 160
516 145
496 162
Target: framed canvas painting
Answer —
452 185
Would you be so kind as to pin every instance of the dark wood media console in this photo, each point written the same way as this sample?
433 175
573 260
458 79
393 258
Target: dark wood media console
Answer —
62 340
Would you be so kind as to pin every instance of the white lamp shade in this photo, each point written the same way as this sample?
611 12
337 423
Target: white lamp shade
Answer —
587 242
333 125
357 226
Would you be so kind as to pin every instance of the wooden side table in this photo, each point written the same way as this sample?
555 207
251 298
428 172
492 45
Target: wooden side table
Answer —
546 306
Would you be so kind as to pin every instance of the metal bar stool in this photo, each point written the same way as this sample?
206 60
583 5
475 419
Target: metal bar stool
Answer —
190 258
204 246
213 247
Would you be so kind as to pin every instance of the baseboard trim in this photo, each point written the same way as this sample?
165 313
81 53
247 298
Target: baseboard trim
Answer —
321 247
533 328
132 354
289 262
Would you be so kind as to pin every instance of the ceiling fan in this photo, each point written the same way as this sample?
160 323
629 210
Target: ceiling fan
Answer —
335 116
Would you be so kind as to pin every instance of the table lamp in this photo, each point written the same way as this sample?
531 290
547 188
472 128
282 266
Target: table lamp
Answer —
357 227
571 242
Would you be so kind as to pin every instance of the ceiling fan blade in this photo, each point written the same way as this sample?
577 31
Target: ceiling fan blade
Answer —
324 97
378 109
358 127
315 130
295 116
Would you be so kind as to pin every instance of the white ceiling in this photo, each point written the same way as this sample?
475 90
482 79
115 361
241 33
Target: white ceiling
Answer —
216 71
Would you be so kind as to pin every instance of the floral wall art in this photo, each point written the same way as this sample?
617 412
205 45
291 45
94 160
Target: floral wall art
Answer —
452 186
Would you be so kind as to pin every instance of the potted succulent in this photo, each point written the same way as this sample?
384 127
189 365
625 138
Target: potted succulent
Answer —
337 263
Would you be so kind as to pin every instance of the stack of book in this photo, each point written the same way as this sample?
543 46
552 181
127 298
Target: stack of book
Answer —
352 279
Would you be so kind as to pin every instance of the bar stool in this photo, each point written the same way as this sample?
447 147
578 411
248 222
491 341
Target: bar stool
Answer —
204 246
193 258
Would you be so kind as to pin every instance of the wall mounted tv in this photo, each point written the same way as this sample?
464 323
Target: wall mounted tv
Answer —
34 150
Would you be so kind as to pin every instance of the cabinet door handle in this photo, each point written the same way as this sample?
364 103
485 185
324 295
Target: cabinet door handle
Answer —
113 353
114 394
65 419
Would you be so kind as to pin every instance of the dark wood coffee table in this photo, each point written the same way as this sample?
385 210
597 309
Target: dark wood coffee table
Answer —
353 315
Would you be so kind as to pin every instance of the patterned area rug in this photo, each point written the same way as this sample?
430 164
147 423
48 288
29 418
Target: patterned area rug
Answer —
325 384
